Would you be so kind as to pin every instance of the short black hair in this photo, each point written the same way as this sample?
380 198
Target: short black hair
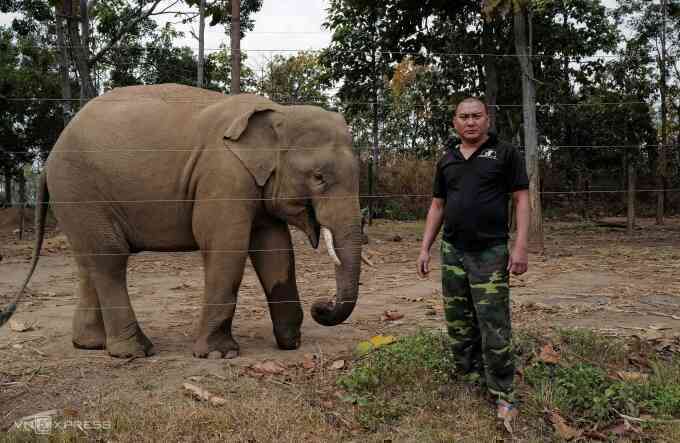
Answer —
472 99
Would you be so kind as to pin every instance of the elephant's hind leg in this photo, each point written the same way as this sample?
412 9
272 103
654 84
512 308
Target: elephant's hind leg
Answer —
88 324
273 260
124 337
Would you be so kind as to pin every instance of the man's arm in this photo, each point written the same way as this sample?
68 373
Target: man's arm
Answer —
435 216
519 258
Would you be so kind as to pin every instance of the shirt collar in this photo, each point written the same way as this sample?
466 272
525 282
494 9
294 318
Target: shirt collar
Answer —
452 145
453 142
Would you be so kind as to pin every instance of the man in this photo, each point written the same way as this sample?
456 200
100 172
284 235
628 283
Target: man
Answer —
472 185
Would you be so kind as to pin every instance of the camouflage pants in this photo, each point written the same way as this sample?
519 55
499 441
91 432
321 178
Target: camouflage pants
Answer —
477 310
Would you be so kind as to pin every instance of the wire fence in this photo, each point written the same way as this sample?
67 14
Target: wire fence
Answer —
306 198
379 52
382 149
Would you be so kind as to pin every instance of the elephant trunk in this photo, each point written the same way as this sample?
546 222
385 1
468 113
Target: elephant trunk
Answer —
345 238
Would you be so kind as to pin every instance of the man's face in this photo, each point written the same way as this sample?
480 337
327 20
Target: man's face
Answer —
471 121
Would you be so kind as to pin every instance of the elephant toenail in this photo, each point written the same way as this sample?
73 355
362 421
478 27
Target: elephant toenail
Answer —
215 355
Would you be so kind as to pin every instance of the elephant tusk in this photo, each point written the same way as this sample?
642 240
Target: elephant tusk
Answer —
366 260
328 238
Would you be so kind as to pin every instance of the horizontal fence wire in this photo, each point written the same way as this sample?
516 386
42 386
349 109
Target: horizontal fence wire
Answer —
181 99
379 52
317 299
383 150
310 197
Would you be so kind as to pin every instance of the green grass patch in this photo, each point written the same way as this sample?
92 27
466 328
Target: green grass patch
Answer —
392 380
392 384
585 389
586 346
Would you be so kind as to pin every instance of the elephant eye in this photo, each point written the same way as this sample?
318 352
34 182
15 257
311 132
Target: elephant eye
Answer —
318 176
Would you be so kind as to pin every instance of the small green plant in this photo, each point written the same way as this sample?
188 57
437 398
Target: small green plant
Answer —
596 349
586 393
389 381
578 391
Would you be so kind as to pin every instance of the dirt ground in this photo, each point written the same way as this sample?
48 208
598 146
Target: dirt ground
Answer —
589 276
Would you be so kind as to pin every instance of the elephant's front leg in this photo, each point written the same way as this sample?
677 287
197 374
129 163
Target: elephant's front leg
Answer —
273 260
224 267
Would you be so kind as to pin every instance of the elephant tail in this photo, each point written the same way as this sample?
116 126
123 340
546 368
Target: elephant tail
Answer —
41 205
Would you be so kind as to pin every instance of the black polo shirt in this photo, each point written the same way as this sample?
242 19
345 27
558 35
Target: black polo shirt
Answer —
477 192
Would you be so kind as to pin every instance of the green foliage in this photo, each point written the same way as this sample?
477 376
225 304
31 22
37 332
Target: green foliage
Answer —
296 79
218 71
396 378
401 364
580 391
585 393
585 345
27 69
220 12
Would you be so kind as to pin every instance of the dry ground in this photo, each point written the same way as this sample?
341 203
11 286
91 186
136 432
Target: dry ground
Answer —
589 276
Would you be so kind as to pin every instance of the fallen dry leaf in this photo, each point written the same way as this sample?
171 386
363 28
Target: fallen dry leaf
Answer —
549 355
632 376
20 326
70 412
202 394
562 428
392 315
338 364
309 361
268 367
651 335
382 340
622 428
364 347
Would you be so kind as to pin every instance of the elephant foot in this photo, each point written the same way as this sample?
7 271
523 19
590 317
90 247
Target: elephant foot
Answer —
217 346
287 340
88 331
93 344
136 346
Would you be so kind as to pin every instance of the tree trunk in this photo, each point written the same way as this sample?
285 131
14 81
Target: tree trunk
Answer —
235 46
529 118
201 43
8 188
491 71
631 193
80 47
64 67
376 133
661 171
21 180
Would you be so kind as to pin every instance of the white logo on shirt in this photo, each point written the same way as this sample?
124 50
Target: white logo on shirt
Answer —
489 153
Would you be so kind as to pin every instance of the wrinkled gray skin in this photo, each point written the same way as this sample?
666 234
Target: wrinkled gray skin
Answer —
175 168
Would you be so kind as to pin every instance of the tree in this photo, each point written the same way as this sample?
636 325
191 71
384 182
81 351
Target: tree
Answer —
237 15
218 72
298 79
521 10
656 30
28 128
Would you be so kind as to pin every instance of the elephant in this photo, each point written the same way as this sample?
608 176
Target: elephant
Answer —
176 168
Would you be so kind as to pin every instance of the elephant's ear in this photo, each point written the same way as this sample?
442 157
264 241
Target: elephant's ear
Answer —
255 138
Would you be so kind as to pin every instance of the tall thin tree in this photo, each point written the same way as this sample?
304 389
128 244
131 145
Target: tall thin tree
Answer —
521 10
663 85
235 46
201 43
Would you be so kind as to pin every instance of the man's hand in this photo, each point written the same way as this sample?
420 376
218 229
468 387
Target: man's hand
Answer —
423 264
519 260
